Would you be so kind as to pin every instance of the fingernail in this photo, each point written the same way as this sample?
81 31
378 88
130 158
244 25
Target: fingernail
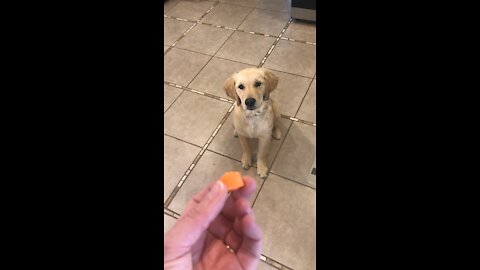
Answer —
218 187
214 192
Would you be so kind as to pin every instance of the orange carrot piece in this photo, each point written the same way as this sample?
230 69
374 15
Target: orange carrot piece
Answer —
232 180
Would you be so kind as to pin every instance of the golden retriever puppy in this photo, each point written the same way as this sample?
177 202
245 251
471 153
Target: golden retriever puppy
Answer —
255 114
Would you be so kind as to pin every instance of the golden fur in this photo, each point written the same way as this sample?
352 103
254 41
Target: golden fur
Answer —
259 121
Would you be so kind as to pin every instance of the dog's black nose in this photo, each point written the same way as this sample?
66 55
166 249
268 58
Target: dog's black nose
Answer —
250 102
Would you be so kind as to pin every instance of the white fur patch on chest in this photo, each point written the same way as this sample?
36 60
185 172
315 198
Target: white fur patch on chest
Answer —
256 122
251 124
258 113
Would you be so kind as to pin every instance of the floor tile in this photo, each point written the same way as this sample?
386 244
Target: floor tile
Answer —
169 4
244 3
293 57
226 144
309 106
168 223
194 117
196 39
173 30
246 48
212 77
169 95
177 157
190 10
277 5
286 213
302 30
182 66
264 266
297 154
290 91
165 48
265 22
210 168
227 15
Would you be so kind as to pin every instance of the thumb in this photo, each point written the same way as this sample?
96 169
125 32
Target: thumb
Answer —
195 221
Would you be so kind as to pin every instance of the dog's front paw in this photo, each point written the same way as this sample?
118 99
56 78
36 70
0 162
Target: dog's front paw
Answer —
277 134
262 169
246 162
235 133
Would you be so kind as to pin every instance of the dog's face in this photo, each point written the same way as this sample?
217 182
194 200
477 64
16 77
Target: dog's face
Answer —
251 87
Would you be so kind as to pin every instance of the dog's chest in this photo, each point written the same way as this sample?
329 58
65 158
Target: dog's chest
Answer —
256 125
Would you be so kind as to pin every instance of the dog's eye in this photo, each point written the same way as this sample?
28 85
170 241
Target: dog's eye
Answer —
241 86
257 84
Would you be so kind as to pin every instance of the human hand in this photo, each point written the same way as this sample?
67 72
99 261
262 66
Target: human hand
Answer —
216 231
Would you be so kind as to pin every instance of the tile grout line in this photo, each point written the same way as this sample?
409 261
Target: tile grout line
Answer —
239 161
275 43
294 181
198 92
288 130
208 11
254 166
186 20
303 99
218 57
300 41
209 60
274 263
180 38
222 121
172 213
298 120
232 158
169 212
182 180
200 154
169 106
178 139
197 158
254 7
230 101
243 31
273 162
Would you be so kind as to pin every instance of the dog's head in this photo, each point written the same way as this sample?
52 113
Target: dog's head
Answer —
251 86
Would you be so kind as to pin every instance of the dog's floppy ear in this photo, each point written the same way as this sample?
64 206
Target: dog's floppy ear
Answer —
271 82
229 87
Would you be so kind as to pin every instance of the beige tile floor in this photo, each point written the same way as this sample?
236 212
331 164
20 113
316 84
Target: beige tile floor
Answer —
201 49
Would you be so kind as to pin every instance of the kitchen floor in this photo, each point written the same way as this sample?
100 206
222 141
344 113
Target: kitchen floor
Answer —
204 43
